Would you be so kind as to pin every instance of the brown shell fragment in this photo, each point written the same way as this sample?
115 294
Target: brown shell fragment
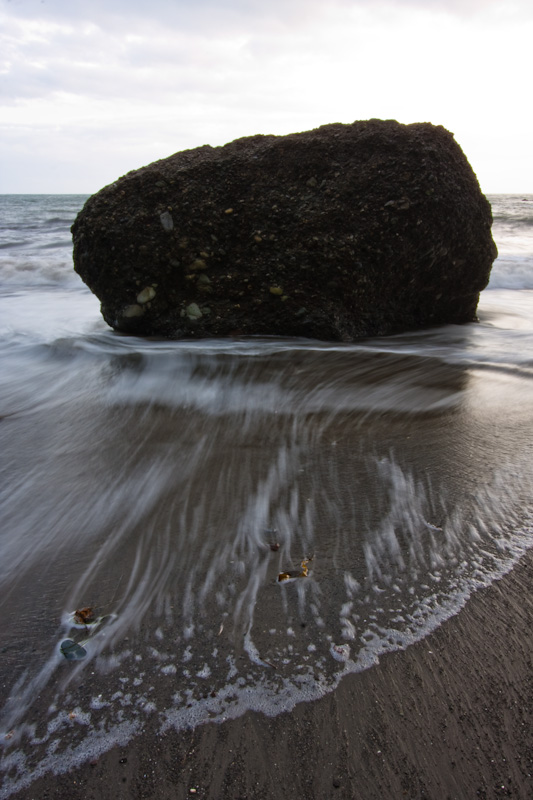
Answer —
285 576
84 616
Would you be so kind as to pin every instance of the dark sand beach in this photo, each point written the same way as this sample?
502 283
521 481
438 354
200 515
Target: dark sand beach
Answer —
449 717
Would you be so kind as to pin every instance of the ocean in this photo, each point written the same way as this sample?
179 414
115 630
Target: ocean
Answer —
242 522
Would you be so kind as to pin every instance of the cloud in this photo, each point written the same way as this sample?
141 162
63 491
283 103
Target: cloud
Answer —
97 63
207 16
210 16
169 47
99 88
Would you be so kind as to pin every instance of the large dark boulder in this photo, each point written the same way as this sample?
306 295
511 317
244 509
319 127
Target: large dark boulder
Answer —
336 233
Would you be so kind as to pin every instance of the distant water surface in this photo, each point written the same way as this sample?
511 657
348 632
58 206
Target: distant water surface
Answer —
167 485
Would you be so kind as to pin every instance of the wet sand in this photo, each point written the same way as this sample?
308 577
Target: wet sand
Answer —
449 717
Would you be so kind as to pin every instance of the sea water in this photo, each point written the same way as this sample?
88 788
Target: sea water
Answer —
168 485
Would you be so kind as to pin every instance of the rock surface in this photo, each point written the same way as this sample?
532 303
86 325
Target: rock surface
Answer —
336 233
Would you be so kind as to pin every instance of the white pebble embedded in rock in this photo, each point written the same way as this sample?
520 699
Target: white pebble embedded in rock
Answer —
193 311
147 294
133 311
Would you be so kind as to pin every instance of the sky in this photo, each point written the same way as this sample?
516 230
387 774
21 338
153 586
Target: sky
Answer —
90 89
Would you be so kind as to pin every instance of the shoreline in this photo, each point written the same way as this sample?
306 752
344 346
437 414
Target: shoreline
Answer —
449 717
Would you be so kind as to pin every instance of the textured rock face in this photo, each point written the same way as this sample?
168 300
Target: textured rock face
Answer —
336 233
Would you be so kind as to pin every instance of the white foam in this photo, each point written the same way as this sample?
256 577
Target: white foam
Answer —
512 272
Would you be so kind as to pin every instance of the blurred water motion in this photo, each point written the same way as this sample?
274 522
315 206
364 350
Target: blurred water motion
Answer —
150 480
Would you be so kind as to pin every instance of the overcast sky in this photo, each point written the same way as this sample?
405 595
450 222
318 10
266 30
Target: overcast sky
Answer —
90 89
